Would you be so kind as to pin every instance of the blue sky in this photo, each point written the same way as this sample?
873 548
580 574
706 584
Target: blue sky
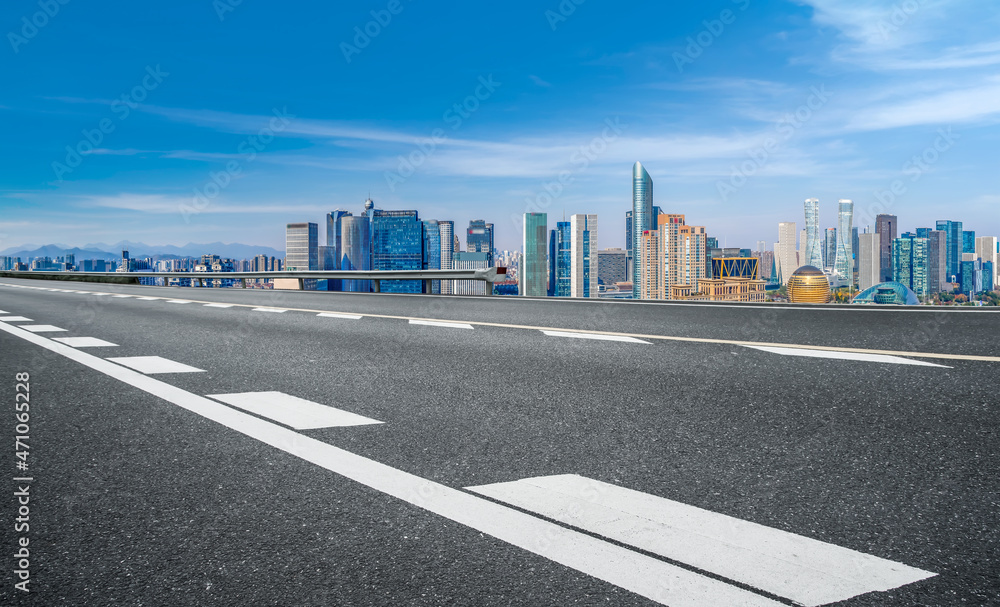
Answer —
225 120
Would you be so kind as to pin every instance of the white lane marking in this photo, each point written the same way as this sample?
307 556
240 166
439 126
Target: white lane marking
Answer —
293 411
84 292
83 342
147 298
14 319
4 312
100 293
154 364
806 571
435 323
344 316
624 338
638 573
178 301
275 310
41 328
874 358
218 305
120 296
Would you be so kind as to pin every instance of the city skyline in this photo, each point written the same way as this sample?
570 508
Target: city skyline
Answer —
184 148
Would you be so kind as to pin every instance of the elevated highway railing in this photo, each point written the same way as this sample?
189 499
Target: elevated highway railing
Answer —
296 278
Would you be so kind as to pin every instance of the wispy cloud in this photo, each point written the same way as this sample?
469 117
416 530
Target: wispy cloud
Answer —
539 81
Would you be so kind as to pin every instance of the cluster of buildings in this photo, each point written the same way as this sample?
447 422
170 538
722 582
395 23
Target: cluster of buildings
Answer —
927 261
376 239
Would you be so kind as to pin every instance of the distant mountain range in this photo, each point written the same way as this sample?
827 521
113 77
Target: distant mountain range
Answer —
101 250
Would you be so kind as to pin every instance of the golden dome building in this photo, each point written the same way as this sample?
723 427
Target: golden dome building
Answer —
809 285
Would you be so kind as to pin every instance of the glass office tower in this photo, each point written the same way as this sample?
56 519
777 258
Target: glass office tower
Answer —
533 274
432 250
564 258
845 246
302 250
356 250
954 242
397 244
814 249
479 239
642 218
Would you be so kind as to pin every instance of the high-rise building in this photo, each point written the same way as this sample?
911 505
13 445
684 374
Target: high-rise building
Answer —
302 250
532 275
886 227
583 245
466 260
479 238
432 250
562 241
954 242
650 260
829 247
969 241
447 230
685 255
611 267
765 263
813 247
356 248
869 258
971 277
784 252
642 211
937 258
845 248
334 242
761 246
988 249
397 245
909 262
553 256
669 226
855 247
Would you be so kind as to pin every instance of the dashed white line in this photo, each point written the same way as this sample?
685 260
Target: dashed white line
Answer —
178 301
435 323
275 310
873 358
147 298
154 364
40 328
343 316
600 337
218 305
14 319
120 296
84 342
293 411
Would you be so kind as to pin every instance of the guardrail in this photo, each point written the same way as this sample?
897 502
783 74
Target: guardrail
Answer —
487 275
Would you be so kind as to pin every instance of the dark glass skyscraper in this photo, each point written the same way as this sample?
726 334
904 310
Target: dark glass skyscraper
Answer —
532 279
356 250
954 237
479 239
397 244
432 250
642 211
886 227
564 259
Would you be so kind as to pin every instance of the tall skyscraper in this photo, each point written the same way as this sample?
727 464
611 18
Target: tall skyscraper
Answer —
886 226
447 230
583 245
988 249
432 250
479 238
553 256
855 247
784 253
869 258
845 248
937 258
532 277
669 226
969 241
685 252
642 211
814 250
302 250
465 260
829 248
356 250
611 267
954 238
334 242
563 243
761 246
909 262
397 245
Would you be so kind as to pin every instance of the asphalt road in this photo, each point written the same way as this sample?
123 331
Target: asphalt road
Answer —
137 500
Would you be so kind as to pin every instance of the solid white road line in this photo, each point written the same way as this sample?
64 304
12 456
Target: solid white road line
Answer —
873 358
435 323
41 328
218 305
804 570
343 316
154 364
83 342
178 301
624 338
293 411
635 572
275 310
14 319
